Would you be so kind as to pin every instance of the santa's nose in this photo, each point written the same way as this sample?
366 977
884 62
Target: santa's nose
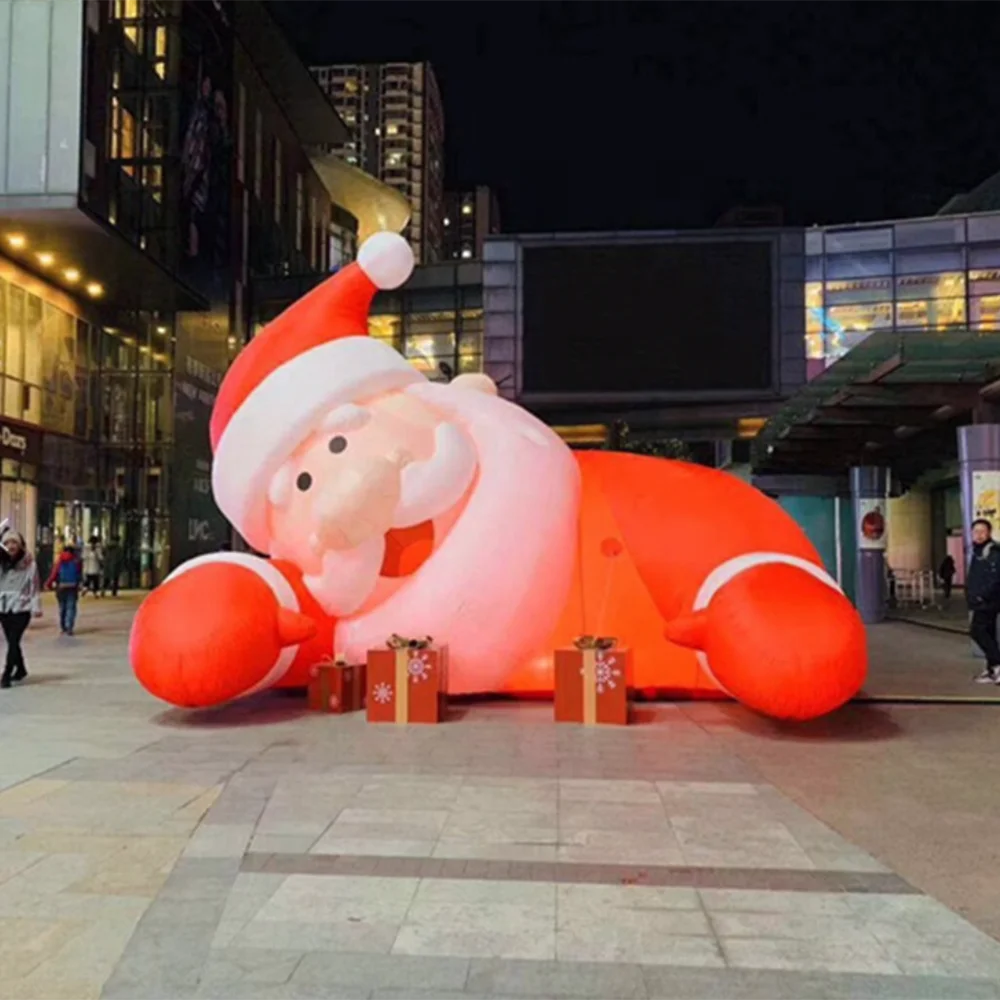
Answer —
356 507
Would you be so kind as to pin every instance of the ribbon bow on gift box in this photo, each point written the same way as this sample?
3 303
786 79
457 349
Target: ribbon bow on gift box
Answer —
401 642
601 642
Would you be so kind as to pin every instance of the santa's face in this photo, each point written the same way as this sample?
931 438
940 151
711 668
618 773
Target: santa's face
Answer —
388 464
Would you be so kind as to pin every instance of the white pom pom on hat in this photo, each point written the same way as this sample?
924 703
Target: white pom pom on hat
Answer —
387 259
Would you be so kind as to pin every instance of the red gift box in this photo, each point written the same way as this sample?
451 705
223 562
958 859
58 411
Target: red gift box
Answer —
407 684
592 686
337 687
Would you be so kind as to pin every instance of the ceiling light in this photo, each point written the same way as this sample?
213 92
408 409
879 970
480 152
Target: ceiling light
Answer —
45 259
161 330
72 275
17 240
94 290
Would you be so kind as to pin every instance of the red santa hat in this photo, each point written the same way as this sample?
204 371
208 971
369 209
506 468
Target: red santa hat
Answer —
315 356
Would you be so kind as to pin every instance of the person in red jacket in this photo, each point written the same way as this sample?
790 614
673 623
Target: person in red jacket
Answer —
66 578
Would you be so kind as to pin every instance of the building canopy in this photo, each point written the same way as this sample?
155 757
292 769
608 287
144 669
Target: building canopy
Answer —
894 400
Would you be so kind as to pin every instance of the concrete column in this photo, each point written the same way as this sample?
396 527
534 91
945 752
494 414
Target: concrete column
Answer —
869 491
979 472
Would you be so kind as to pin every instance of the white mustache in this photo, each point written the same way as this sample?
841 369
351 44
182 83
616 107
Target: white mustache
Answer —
430 488
348 576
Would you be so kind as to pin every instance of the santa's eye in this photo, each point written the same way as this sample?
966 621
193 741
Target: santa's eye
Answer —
304 481
337 444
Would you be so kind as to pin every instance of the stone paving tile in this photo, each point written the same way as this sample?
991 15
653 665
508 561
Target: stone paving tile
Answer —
389 972
553 980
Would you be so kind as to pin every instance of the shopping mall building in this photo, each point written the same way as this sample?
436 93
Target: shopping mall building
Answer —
161 186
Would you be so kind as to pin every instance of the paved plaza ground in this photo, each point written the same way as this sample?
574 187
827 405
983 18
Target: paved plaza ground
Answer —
261 851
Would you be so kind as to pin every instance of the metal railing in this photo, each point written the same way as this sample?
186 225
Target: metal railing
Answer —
909 588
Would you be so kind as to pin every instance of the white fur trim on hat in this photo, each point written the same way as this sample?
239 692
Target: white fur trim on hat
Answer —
281 412
387 259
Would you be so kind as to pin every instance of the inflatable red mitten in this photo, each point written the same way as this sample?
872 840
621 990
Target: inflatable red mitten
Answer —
781 639
216 630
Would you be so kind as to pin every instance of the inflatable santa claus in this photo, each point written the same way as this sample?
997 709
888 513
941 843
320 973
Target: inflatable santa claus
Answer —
390 504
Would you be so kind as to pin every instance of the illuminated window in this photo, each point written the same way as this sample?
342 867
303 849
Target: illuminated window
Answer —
351 85
466 252
466 208
122 135
930 314
858 290
388 329
447 221
985 312
937 286
391 128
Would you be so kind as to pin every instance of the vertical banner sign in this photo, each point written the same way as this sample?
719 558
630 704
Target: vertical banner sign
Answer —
196 525
986 498
871 523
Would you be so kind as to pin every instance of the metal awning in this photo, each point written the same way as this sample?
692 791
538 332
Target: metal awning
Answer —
894 400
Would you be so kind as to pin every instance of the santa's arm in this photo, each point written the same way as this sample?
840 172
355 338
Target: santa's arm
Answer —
223 626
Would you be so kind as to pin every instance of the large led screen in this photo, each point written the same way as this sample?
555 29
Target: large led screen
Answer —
681 317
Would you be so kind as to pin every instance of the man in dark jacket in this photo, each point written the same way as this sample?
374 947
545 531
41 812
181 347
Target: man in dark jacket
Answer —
982 591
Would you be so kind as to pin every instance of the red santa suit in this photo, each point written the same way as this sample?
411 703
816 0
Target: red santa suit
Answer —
712 586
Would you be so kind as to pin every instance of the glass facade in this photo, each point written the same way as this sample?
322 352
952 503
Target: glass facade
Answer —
934 274
94 405
435 321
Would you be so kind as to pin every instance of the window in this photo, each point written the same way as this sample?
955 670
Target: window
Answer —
241 128
859 290
391 128
466 252
300 209
278 192
122 135
930 314
466 208
160 52
258 153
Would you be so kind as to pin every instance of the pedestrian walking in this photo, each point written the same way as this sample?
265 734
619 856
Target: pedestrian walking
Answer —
112 566
19 600
66 578
93 566
982 593
946 573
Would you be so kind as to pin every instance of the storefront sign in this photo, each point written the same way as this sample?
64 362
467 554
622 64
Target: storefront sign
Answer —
986 498
871 523
22 442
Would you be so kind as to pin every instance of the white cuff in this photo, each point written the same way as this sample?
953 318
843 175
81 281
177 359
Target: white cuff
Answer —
280 588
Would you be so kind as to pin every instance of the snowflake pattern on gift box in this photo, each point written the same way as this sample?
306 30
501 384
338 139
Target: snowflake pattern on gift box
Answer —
419 667
382 693
605 672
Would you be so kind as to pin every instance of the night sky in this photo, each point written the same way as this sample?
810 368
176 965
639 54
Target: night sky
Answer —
622 115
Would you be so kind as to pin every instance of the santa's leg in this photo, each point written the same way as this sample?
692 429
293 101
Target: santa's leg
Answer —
777 634
223 626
